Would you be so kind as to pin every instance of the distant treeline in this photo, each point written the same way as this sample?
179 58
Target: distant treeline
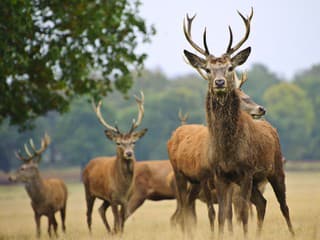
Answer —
292 107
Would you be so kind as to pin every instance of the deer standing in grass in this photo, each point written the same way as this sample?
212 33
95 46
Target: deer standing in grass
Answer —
111 178
154 180
235 148
47 195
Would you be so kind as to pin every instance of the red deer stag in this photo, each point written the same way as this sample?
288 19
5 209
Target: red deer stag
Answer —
235 147
154 180
47 195
111 178
256 111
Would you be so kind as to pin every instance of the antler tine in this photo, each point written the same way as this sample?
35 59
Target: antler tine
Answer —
100 118
247 21
26 149
183 118
240 82
19 156
230 39
180 114
187 33
205 41
45 141
140 103
244 78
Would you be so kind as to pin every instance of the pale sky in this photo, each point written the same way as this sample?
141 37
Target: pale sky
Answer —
285 35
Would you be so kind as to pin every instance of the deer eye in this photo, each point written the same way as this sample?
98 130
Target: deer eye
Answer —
230 69
118 143
207 70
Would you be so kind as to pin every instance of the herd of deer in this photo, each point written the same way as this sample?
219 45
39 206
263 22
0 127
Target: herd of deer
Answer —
227 162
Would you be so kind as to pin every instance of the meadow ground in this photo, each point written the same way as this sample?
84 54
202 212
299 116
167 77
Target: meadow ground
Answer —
151 221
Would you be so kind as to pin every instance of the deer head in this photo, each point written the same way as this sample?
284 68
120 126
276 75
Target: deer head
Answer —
125 141
218 71
246 102
29 168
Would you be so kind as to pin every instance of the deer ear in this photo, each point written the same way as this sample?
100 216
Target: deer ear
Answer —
139 134
241 57
194 60
110 134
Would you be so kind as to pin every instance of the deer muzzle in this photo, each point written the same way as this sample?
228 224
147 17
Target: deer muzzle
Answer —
128 154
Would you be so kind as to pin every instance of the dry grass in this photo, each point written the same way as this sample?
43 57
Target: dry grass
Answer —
151 221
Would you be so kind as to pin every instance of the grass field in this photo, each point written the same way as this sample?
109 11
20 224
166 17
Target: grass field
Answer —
151 221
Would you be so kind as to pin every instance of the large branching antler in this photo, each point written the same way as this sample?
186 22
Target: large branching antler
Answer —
45 141
100 118
140 102
187 33
247 21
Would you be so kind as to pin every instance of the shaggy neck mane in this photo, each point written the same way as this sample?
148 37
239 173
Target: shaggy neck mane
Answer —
35 189
222 118
124 168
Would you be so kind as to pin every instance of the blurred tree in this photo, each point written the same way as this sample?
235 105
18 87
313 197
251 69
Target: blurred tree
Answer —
309 81
52 51
259 80
290 111
80 136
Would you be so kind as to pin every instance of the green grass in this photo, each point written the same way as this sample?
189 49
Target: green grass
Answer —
151 221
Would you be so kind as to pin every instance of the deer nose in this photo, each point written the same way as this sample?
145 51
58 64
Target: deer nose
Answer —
129 154
262 110
219 82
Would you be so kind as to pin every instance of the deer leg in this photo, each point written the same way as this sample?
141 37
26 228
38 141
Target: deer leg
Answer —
55 224
260 202
135 202
49 225
175 216
245 196
116 216
123 211
229 214
222 189
279 188
102 212
181 199
209 201
190 205
63 218
90 202
37 219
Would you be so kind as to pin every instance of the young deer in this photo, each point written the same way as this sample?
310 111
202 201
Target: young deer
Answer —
47 195
111 178
234 148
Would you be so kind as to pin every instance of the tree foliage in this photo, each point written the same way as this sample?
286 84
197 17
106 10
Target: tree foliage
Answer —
309 81
77 136
291 112
52 51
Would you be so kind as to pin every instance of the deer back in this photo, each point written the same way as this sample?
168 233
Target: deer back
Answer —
188 149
